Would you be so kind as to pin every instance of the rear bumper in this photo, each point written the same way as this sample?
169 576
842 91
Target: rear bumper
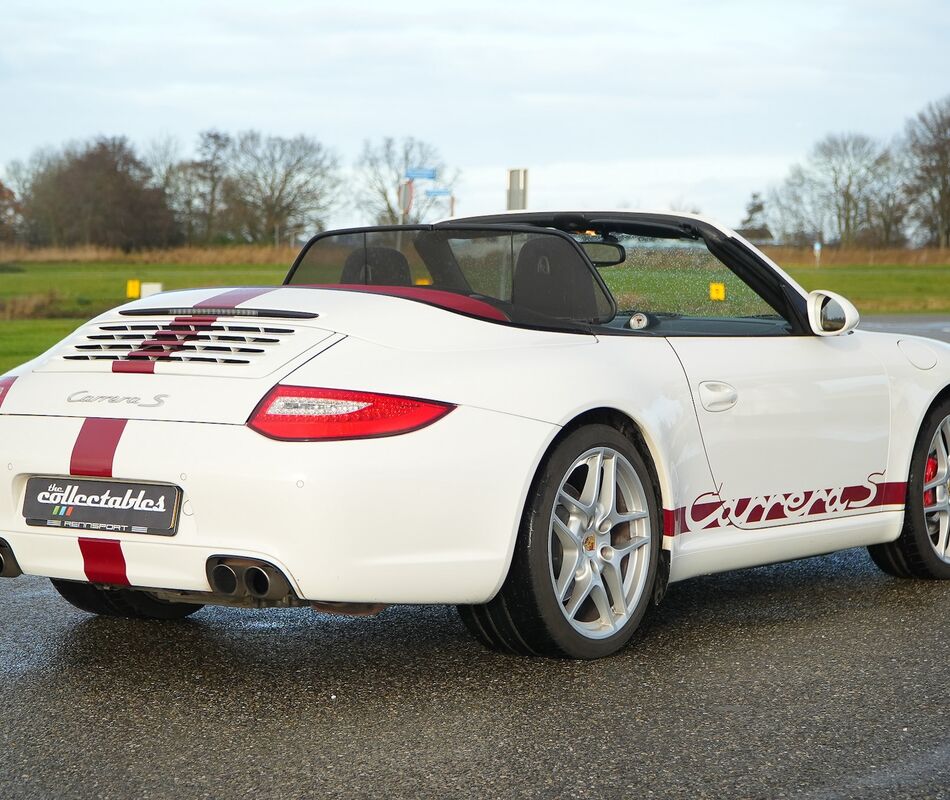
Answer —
426 517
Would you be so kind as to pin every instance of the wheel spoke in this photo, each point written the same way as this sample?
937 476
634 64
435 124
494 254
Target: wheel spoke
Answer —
940 506
568 538
613 579
608 486
631 546
940 480
632 516
599 595
943 521
591 491
568 573
582 589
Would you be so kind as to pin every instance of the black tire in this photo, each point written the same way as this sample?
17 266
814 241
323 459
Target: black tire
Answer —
526 617
127 603
912 554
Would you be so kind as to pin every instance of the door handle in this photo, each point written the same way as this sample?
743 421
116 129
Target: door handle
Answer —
717 396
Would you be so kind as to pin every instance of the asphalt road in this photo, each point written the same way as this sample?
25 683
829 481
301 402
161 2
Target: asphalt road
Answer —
821 678
935 327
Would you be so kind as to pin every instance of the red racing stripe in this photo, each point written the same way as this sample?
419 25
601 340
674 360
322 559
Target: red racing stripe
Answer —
103 562
234 297
5 384
95 447
142 366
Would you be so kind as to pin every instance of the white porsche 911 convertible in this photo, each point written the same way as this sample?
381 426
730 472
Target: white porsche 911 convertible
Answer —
543 418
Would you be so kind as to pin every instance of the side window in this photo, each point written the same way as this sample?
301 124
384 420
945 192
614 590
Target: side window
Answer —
680 288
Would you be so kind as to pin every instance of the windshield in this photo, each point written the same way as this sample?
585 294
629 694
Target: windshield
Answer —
533 278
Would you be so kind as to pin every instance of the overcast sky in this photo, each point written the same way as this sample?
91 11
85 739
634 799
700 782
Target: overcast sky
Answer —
641 104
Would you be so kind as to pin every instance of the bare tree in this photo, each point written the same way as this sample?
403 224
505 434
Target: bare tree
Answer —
886 206
842 170
928 142
754 212
279 186
9 213
829 196
794 212
162 156
211 170
381 170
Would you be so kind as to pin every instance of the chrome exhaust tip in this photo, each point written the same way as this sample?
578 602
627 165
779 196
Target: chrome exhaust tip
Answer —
224 580
257 582
266 582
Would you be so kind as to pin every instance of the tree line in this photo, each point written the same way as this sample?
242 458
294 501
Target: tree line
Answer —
850 190
241 188
853 190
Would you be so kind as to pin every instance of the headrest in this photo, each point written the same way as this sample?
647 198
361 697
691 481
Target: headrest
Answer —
552 279
376 266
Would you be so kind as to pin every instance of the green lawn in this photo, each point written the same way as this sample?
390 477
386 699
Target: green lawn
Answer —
62 295
84 289
883 289
22 339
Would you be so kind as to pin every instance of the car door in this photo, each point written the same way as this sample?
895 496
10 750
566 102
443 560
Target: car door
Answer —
795 426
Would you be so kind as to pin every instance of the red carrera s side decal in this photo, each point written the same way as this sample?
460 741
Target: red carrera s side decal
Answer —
103 562
5 384
710 510
95 447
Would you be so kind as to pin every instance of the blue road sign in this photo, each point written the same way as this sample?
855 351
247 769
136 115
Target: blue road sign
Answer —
420 173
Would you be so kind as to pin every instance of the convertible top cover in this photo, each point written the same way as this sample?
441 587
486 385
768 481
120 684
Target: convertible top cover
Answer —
520 275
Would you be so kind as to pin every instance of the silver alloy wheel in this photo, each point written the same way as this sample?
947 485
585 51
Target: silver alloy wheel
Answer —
599 543
937 491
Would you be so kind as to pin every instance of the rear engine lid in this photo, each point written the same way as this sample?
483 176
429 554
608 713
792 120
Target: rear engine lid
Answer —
197 345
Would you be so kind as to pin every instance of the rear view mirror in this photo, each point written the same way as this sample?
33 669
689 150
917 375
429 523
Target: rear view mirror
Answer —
604 254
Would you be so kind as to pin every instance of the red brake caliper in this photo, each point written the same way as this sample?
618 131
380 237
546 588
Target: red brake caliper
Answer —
930 472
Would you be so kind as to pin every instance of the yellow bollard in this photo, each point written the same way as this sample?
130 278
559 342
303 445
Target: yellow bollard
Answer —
133 288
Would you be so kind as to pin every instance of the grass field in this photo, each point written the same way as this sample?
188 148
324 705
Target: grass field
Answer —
22 339
42 301
55 289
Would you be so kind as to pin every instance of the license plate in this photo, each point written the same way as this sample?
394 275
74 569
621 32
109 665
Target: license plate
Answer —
103 506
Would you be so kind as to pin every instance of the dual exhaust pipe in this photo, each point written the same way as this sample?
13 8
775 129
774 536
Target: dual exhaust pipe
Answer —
247 577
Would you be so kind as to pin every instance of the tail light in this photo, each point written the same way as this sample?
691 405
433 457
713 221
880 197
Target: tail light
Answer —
299 413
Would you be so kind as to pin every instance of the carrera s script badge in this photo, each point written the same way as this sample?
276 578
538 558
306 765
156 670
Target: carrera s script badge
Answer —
108 506
82 396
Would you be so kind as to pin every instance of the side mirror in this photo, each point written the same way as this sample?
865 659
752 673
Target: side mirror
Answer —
604 254
830 314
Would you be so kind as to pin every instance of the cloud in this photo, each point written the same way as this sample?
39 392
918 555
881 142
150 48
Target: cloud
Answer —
647 101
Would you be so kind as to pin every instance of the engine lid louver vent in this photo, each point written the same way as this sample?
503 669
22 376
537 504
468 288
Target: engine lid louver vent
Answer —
185 345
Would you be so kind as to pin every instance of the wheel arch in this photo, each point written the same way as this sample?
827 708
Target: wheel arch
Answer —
941 396
638 435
